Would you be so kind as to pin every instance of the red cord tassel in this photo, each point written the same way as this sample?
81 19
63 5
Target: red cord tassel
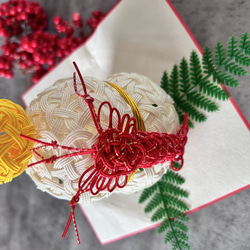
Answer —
72 203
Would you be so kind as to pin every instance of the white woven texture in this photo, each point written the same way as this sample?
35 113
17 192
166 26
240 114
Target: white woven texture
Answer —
59 114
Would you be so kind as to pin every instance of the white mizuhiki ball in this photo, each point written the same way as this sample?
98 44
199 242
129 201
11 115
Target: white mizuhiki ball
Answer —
58 113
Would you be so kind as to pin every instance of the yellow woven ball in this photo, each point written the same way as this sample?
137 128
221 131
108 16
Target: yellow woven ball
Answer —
14 150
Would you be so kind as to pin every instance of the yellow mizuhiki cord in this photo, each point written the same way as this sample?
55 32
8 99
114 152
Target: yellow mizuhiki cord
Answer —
14 150
136 112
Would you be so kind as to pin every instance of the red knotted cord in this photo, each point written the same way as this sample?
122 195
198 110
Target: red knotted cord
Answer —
118 152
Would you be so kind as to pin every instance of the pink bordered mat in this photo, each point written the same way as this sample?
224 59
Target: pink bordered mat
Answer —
148 37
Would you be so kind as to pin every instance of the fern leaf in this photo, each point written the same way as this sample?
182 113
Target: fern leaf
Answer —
159 214
214 91
247 52
181 244
183 217
154 202
173 177
165 83
207 61
220 55
194 113
181 235
232 47
164 226
195 68
225 79
191 83
242 59
173 189
244 41
169 237
176 203
184 76
202 102
180 225
169 208
235 69
174 213
174 82
147 192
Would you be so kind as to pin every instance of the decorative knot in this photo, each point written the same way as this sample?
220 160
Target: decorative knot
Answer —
54 144
119 152
14 150
51 160
88 98
74 200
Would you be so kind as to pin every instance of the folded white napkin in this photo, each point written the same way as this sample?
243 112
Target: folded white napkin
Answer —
147 37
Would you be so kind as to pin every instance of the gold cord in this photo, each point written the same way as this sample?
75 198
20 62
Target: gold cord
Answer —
136 112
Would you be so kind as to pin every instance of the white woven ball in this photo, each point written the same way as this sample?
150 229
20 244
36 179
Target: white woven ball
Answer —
59 114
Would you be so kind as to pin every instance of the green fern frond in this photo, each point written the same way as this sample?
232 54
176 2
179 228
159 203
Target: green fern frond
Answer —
195 68
169 237
187 107
247 52
225 79
167 206
165 83
147 192
207 61
163 226
220 54
159 214
174 212
154 202
182 235
214 91
235 69
202 102
232 47
198 80
174 82
181 244
180 225
243 60
175 202
173 177
244 41
173 189
184 217
184 76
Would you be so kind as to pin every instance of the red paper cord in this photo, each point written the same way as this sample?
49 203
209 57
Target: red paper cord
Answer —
72 217
118 152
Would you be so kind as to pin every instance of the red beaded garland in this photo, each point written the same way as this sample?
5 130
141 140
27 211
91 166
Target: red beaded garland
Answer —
35 50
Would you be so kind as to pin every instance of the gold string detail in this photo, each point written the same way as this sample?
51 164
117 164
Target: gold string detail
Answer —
136 112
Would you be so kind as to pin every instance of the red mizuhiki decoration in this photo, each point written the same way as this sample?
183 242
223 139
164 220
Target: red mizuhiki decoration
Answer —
118 152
